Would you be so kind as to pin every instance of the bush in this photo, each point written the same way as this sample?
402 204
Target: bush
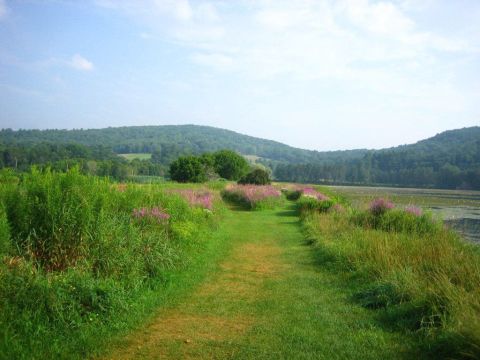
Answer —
310 204
292 195
410 220
380 206
188 169
254 197
256 177
230 165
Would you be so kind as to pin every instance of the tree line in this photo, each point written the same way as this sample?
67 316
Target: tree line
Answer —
94 160
448 160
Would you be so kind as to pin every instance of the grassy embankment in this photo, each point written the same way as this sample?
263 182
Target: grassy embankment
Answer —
415 275
83 259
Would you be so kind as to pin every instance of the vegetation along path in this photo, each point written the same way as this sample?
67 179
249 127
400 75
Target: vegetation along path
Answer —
270 298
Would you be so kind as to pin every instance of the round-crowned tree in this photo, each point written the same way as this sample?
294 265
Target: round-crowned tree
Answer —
257 177
230 165
188 169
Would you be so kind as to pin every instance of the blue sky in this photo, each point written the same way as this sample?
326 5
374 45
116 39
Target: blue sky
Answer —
325 75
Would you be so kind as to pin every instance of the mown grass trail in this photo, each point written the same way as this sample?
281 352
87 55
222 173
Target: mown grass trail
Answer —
272 297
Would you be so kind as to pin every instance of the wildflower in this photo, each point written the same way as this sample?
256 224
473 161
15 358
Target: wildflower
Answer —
414 210
311 192
157 214
380 206
203 199
253 193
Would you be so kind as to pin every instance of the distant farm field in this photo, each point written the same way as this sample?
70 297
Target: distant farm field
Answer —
139 156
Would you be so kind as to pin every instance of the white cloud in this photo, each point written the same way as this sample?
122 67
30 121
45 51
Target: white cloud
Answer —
214 60
372 47
146 36
208 12
382 18
80 63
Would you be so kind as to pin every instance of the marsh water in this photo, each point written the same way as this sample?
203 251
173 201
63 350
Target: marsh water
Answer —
458 209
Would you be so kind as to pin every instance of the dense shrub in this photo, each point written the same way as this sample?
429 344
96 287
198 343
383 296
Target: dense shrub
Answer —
306 204
292 195
188 169
225 164
382 215
230 165
256 177
380 206
312 200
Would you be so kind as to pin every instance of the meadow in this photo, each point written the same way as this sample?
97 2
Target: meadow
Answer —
85 258
459 209
96 268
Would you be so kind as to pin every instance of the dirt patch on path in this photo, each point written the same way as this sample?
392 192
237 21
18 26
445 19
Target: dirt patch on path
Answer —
208 322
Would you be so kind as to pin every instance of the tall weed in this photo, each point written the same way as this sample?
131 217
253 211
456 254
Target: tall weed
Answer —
78 260
425 278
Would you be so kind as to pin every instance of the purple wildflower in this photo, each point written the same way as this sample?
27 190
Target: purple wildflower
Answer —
157 214
414 210
380 206
311 192
203 199
254 193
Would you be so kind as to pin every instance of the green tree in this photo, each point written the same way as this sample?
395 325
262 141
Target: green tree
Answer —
256 176
188 169
230 165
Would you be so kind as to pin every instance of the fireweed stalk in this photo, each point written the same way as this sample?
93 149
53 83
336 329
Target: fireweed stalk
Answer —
203 199
157 214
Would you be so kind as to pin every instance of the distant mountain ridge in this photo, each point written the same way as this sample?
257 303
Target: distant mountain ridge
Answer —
450 159
180 139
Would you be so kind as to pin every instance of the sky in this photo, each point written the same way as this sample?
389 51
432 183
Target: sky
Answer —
322 75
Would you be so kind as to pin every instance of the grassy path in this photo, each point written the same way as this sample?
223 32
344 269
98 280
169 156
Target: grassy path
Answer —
270 298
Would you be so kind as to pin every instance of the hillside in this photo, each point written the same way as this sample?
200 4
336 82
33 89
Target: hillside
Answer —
174 140
448 160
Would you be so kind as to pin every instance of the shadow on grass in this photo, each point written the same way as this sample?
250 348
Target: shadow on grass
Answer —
291 211
386 309
235 206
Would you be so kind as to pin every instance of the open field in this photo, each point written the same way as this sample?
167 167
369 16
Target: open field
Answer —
139 156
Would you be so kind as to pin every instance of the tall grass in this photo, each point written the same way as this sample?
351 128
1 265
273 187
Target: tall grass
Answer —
78 258
419 276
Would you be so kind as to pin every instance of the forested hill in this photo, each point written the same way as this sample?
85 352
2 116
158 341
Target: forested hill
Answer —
171 141
448 160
